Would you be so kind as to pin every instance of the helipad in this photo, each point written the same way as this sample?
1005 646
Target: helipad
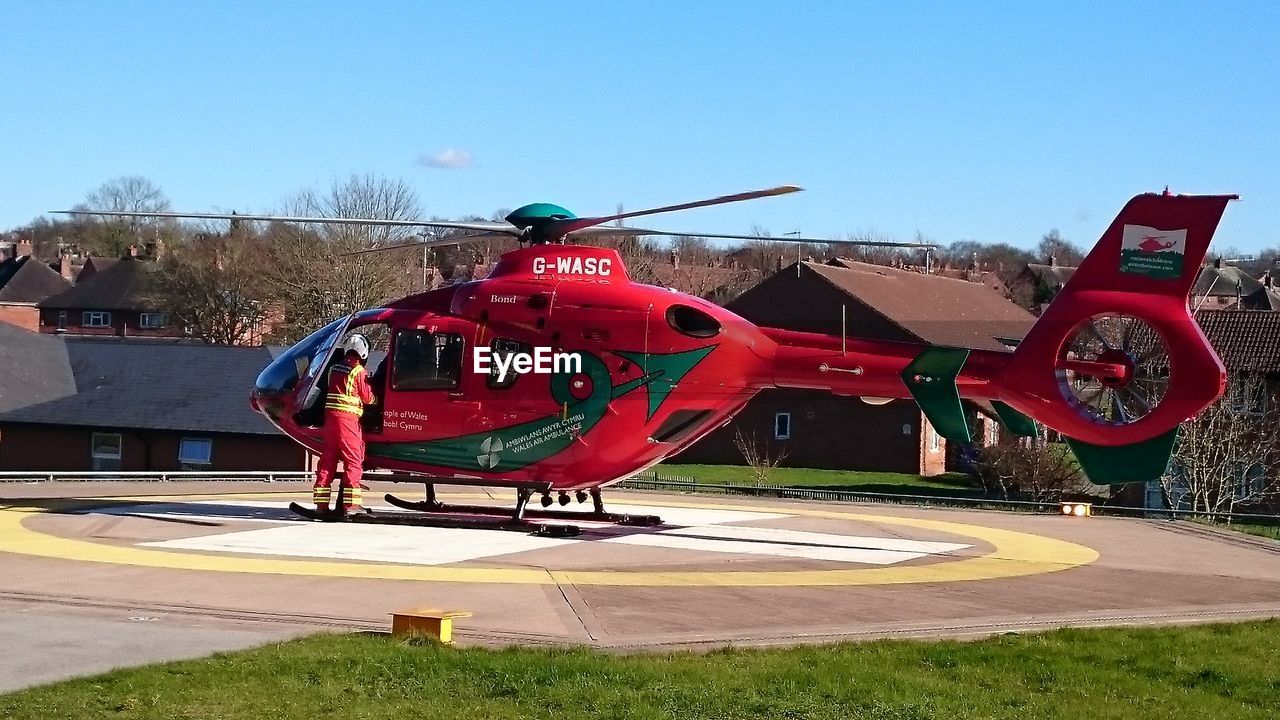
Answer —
700 543
720 570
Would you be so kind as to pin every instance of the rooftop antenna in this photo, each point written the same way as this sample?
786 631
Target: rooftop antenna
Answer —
796 233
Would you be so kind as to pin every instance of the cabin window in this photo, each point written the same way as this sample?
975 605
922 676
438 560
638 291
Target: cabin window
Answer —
426 361
504 348
195 453
782 426
95 318
105 450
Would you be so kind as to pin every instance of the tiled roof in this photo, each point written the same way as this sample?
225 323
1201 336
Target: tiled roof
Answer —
1244 339
130 384
121 285
937 310
1226 280
34 369
26 280
1053 275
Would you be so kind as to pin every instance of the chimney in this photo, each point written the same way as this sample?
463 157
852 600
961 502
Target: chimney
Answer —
1053 260
1268 280
1217 263
64 267
22 248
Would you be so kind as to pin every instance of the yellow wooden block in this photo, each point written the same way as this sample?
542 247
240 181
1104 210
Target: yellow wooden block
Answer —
427 621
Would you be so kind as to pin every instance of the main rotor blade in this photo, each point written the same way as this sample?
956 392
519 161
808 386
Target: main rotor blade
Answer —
480 226
799 240
564 227
432 243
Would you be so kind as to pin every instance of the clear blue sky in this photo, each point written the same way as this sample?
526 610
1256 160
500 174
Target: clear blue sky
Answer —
988 121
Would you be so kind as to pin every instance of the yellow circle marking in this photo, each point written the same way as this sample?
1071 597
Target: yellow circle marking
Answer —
1013 554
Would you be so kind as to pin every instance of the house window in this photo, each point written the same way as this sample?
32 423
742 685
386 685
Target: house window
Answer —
426 361
782 426
62 319
195 453
153 320
1247 397
95 318
105 450
935 440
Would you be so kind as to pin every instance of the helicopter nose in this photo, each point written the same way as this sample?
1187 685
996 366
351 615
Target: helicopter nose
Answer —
272 405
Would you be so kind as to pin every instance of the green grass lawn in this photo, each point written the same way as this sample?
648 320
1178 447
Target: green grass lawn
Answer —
876 482
1223 671
1269 531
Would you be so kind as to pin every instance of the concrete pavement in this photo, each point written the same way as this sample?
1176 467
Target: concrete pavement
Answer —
212 568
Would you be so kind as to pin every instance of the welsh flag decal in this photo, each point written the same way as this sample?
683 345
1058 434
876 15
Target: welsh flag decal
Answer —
1151 252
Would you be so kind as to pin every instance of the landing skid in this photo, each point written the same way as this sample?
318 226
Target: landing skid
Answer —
522 511
478 523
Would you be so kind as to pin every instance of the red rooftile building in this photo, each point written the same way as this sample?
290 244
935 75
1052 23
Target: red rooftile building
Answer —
819 430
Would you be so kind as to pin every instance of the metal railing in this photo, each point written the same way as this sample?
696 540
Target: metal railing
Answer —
654 481
36 476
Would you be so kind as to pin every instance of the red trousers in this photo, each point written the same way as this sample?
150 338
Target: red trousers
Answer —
343 440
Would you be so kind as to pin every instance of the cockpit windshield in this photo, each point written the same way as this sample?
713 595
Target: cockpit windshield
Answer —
283 373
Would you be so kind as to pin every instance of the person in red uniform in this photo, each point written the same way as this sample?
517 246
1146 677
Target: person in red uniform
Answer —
348 393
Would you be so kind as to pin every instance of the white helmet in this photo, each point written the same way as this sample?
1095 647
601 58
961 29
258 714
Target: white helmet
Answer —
358 345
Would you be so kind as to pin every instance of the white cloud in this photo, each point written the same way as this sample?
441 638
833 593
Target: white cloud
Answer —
449 158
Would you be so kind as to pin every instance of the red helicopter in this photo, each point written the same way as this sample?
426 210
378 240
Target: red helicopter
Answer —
558 374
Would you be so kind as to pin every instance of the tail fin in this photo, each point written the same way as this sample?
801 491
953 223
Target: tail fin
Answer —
1117 358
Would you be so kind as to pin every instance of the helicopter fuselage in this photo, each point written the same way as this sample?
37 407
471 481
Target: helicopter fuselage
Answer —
646 372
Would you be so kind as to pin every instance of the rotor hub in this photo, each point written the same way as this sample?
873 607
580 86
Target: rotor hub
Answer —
1116 356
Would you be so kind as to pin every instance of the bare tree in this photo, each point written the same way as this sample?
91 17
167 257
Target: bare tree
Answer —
640 256
871 254
759 456
214 286
1030 467
109 234
1227 456
130 193
1062 251
310 270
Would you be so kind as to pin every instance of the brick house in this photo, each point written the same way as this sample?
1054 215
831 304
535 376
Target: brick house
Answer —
820 430
1217 287
1226 287
78 403
1035 286
1248 342
24 283
109 298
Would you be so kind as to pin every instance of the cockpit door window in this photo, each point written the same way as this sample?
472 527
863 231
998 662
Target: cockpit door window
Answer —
502 347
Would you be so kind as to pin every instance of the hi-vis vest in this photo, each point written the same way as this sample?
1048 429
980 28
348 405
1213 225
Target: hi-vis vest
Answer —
344 389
